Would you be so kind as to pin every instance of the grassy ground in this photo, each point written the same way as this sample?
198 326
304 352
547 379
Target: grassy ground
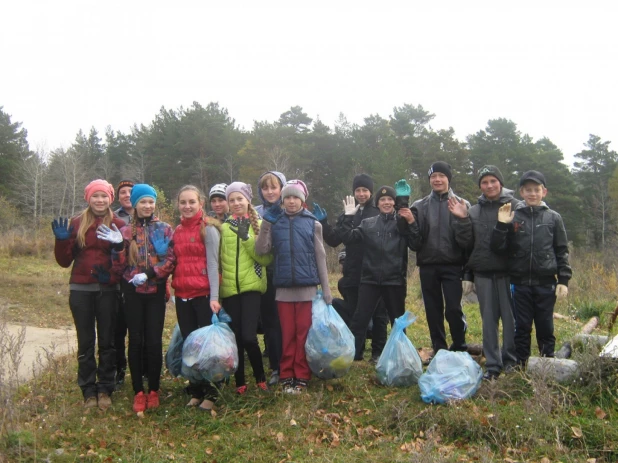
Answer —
517 418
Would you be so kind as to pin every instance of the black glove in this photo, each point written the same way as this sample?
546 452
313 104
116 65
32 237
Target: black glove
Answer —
243 229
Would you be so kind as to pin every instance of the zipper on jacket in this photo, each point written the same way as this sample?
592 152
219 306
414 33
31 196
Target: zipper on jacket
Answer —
531 245
237 253
292 252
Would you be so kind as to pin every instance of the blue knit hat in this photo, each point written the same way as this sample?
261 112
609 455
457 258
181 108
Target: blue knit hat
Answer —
141 190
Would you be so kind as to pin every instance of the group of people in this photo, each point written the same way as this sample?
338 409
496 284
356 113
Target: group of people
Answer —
268 262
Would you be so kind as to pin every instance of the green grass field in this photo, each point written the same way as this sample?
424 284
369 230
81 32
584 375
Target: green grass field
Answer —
517 418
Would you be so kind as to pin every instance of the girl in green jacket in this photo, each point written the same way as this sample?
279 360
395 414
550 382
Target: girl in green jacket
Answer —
243 280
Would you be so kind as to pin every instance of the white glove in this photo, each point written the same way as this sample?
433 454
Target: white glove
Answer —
505 215
139 279
562 291
112 235
349 206
467 286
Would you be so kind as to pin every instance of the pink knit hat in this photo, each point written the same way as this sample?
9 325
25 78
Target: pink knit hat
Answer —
295 188
99 185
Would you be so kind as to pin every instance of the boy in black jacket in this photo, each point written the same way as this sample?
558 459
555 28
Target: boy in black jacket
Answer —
385 260
534 238
362 188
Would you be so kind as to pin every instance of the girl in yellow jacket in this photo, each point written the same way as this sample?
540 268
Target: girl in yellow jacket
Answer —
243 280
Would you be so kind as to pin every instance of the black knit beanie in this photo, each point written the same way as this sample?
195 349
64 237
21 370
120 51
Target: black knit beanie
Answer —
385 191
490 170
442 167
362 180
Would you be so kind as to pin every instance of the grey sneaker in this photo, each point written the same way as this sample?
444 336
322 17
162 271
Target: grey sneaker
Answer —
274 378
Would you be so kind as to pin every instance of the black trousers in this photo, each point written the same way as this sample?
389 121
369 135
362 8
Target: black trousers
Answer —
368 296
245 310
534 304
94 314
271 325
145 317
119 335
193 314
442 291
119 340
379 318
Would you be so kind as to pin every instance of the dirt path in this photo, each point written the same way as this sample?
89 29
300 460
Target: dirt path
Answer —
39 342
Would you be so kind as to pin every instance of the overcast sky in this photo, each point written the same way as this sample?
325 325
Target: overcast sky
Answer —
549 66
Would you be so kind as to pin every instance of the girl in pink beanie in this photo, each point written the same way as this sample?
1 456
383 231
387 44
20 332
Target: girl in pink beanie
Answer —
93 291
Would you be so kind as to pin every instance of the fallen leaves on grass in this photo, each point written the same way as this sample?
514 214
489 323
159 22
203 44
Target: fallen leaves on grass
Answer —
577 432
600 413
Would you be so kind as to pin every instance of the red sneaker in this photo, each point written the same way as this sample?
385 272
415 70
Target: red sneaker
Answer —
241 390
263 386
152 400
139 402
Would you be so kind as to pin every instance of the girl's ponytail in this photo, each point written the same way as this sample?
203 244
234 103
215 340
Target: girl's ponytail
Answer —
254 218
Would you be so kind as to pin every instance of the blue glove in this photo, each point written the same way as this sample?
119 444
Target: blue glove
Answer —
273 213
160 242
61 228
402 188
101 274
139 279
318 212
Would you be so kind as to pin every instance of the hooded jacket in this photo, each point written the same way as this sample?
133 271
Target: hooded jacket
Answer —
536 246
353 262
262 208
484 216
438 236
385 249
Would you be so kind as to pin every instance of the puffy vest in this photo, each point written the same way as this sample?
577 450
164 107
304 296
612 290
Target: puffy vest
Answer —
190 274
294 250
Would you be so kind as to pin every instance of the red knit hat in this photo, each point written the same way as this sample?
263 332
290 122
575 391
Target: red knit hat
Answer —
99 185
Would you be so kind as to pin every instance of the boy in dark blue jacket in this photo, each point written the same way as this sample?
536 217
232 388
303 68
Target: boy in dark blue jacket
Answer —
534 238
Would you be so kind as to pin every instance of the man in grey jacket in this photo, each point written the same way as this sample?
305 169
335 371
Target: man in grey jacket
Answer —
489 273
442 229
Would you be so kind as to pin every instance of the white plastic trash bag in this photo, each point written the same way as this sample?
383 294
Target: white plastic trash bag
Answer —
399 364
611 348
330 343
210 353
450 376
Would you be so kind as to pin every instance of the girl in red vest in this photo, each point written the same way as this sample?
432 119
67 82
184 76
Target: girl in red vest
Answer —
193 259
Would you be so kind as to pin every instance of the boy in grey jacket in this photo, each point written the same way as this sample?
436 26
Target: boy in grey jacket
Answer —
489 273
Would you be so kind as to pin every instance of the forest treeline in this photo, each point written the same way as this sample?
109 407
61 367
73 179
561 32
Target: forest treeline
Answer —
203 145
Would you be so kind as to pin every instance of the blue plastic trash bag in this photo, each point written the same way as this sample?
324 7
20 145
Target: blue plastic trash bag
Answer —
173 356
330 343
210 353
450 376
399 364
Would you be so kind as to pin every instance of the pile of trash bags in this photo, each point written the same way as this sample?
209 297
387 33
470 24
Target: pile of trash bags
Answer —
330 343
399 365
450 376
